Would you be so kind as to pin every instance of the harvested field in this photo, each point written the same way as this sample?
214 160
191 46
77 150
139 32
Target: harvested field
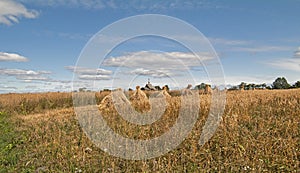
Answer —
259 132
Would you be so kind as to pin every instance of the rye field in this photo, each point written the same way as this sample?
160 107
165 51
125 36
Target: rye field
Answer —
259 132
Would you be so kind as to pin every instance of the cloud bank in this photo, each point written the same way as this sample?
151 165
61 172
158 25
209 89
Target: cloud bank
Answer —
27 75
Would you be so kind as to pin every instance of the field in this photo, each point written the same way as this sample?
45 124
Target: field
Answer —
259 132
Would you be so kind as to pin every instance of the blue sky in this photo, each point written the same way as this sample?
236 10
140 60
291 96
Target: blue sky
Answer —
41 41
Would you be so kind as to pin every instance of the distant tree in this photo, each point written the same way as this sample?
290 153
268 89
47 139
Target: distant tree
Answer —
261 86
252 86
242 85
297 84
280 83
268 87
82 89
200 87
233 88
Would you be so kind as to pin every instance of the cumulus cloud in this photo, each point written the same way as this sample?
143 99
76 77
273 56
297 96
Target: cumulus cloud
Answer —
89 73
157 60
11 12
27 75
4 56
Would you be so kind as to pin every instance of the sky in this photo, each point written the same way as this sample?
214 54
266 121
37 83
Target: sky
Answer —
41 42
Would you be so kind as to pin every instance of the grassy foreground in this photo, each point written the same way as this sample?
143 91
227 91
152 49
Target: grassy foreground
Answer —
260 132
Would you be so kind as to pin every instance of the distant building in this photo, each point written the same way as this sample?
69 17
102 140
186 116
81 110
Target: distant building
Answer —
149 87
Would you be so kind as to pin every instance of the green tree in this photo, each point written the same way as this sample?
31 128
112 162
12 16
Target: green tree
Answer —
242 85
82 89
201 86
234 88
297 84
280 83
252 86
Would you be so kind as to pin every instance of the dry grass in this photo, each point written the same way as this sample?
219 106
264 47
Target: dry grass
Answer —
34 102
139 100
260 132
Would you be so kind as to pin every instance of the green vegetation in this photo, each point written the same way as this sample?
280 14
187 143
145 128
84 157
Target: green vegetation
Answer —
10 142
281 83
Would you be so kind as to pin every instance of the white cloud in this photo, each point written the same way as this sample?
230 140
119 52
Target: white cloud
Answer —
262 49
88 4
56 85
248 46
229 42
157 64
29 78
297 53
4 56
125 5
8 88
292 64
89 73
94 77
31 86
157 60
11 11
236 80
152 73
287 64
26 75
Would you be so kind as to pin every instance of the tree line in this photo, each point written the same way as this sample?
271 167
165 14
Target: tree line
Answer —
279 83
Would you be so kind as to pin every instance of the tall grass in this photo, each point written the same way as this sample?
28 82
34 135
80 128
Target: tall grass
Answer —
34 102
259 133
